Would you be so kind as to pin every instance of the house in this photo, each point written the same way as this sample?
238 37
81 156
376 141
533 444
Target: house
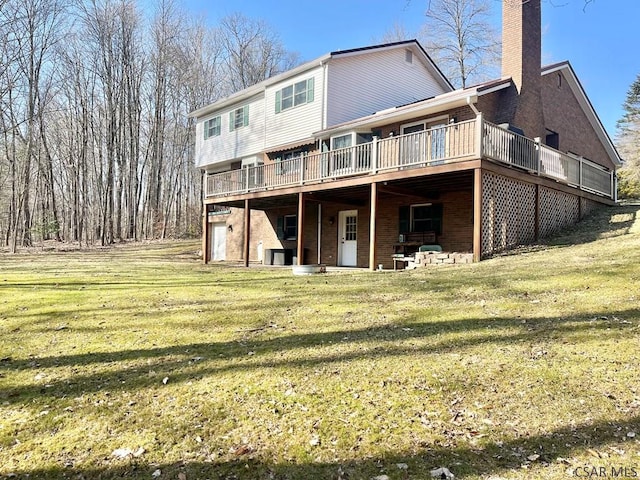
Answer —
364 157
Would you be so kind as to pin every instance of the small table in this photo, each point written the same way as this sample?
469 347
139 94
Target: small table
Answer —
405 261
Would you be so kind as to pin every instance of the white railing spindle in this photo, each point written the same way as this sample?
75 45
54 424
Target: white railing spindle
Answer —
444 144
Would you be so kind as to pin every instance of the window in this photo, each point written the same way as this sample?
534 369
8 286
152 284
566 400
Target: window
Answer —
291 96
552 140
239 118
421 218
343 158
288 227
426 218
351 228
343 141
289 162
212 127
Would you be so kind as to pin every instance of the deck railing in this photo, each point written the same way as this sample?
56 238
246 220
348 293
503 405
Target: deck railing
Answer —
441 145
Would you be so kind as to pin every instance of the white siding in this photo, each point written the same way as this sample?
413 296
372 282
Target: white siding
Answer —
295 123
242 142
359 85
348 87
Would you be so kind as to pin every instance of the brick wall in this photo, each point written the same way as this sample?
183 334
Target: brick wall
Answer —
262 232
564 115
457 229
521 60
457 224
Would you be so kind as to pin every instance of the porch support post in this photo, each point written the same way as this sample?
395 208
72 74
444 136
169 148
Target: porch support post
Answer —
301 228
206 239
374 155
247 231
373 213
479 134
477 215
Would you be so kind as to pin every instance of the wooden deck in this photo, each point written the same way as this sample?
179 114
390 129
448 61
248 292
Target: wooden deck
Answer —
443 149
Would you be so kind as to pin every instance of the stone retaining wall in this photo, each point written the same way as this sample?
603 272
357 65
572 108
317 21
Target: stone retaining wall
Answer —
439 258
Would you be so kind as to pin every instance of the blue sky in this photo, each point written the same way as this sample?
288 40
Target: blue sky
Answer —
601 41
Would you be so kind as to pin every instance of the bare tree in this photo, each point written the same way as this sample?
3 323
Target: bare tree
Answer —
397 33
461 39
31 29
95 139
253 51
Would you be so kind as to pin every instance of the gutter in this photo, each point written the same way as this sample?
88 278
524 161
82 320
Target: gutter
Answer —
434 105
473 106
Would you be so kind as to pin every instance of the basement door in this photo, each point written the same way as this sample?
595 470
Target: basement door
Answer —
218 241
348 238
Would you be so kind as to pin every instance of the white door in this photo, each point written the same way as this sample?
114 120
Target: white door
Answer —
412 144
218 241
438 134
348 238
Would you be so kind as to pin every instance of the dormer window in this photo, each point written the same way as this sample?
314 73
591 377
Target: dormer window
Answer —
299 93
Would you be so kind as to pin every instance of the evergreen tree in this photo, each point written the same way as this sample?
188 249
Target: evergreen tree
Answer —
628 143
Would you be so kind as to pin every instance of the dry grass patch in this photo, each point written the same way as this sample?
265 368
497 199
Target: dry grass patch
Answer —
138 360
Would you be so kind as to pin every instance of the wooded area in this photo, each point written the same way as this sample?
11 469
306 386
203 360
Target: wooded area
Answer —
95 142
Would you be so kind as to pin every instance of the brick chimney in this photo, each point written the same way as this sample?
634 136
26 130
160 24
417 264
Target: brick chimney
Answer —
521 60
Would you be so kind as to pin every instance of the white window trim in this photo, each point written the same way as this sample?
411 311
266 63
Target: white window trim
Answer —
350 134
308 88
425 122
283 169
206 127
232 118
353 135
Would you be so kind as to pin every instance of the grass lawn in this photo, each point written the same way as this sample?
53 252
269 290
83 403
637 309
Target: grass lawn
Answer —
140 362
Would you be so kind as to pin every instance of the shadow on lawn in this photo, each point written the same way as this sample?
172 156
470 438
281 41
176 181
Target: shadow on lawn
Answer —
188 362
602 223
554 449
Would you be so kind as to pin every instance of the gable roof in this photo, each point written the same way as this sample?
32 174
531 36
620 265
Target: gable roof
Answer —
470 95
439 103
586 105
429 63
258 88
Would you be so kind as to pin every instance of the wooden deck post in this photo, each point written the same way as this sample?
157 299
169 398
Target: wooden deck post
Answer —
479 135
373 212
300 229
247 232
477 215
206 240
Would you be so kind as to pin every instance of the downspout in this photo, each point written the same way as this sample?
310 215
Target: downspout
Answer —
264 125
478 127
323 64
472 106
